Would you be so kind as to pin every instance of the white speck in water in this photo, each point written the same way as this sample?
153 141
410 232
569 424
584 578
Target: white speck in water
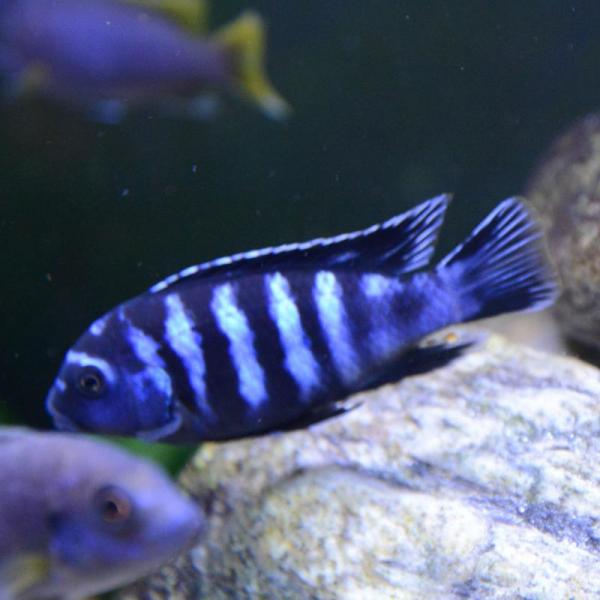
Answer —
124 192
521 509
194 168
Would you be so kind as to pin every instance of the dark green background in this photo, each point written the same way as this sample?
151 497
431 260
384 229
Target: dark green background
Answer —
394 102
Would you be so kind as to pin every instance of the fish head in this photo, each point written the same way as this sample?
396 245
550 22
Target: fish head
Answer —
122 519
104 387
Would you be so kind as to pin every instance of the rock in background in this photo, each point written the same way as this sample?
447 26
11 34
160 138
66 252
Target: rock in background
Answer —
479 480
565 189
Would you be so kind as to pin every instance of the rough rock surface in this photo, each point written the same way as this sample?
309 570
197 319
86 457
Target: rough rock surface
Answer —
565 189
479 480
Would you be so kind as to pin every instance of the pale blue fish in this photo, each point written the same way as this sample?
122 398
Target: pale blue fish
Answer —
80 516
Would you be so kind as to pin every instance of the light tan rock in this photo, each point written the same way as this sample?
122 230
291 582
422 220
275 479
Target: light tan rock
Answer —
479 480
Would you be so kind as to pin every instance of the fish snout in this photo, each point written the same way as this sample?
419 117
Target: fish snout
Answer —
60 421
185 524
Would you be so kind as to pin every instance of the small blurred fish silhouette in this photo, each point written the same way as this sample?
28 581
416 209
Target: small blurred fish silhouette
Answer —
80 516
274 339
109 56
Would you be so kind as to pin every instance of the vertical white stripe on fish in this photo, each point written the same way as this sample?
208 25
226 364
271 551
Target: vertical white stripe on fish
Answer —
187 344
379 291
233 323
376 286
299 360
146 348
87 360
328 296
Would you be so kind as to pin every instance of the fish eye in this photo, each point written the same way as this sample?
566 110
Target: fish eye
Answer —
91 382
113 505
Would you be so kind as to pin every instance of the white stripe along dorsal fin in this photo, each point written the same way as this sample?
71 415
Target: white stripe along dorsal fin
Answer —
399 245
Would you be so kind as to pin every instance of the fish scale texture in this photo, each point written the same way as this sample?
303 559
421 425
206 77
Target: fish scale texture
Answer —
479 480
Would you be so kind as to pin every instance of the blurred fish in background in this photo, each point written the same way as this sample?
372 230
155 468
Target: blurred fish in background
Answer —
80 516
109 56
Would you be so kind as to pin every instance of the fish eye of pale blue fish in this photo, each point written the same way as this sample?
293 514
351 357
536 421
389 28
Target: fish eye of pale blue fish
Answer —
275 339
80 516
107 56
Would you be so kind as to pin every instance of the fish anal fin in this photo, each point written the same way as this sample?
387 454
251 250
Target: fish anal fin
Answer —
416 361
400 245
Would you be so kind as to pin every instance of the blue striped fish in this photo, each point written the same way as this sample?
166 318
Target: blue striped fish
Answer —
274 339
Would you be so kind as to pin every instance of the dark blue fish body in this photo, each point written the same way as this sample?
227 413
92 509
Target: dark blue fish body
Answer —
86 52
275 338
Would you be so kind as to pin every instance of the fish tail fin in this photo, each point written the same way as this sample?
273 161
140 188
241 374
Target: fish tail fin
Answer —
244 38
501 267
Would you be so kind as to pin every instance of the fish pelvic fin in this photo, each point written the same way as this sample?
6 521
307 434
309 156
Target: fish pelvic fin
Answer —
29 81
245 40
501 267
22 574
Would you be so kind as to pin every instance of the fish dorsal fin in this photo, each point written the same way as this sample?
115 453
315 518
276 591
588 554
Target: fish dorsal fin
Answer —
190 14
400 245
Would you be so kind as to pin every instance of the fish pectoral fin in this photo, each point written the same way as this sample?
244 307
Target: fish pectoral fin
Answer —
190 14
318 414
23 573
244 39
416 361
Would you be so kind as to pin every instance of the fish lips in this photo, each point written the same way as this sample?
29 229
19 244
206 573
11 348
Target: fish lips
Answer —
61 421
191 528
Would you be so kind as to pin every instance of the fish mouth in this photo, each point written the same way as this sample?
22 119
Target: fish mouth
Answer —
61 421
